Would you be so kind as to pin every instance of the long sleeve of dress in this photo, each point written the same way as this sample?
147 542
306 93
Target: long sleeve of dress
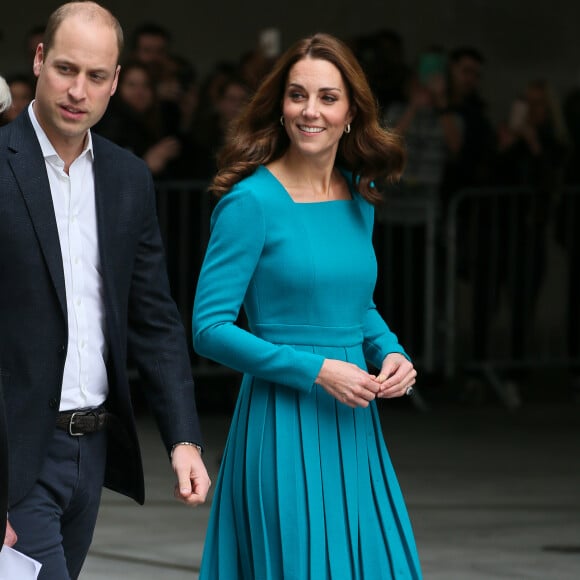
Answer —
379 340
238 235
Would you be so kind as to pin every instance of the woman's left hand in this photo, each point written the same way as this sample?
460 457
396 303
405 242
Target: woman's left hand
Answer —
396 376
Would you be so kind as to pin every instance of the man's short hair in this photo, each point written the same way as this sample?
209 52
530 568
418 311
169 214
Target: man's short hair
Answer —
91 10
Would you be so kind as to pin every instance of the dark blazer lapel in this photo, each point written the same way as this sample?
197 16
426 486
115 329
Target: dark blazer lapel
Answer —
27 162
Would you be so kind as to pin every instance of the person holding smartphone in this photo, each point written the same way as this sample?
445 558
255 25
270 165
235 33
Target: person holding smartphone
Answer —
432 132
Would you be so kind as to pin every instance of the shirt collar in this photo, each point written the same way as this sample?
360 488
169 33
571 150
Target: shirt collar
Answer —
48 151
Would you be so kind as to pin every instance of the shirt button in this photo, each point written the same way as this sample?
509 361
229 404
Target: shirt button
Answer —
53 403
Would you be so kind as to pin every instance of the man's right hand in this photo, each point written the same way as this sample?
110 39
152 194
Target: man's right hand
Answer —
10 538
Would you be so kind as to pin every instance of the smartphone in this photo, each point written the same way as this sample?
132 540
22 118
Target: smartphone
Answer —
518 114
270 43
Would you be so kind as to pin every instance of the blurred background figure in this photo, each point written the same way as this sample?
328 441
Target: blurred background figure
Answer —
382 55
172 74
210 128
431 129
182 91
571 114
136 121
212 86
533 143
532 153
22 92
33 38
150 46
432 134
473 163
255 64
253 67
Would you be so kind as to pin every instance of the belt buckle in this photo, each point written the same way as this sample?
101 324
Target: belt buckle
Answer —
70 424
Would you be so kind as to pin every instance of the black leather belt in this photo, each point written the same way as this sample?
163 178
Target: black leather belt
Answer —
82 421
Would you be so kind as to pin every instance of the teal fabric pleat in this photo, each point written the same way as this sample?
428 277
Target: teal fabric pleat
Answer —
314 505
312 494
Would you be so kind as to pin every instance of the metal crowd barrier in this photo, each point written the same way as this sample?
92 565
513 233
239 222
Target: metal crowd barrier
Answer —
184 210
405 241
512 284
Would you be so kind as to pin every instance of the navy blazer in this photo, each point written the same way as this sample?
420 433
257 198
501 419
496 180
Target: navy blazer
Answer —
141 317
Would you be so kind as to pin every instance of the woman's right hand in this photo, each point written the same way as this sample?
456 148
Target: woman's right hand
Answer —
347 383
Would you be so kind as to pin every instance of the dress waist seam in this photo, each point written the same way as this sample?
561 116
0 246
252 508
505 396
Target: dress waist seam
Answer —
304 334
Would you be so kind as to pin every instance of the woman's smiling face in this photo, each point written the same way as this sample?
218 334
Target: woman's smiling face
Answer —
316 107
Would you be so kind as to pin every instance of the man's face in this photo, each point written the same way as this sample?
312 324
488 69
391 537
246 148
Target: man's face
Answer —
76 79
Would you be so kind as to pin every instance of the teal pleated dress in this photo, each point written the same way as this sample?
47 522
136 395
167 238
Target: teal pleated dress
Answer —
306 488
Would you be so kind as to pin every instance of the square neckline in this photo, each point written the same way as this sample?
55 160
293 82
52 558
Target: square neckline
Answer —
310 202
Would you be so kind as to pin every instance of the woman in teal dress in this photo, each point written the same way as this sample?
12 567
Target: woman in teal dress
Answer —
306 488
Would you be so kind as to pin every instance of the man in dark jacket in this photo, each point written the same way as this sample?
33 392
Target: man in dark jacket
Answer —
84 283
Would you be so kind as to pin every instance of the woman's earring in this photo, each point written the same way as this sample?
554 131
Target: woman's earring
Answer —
347 128
282 120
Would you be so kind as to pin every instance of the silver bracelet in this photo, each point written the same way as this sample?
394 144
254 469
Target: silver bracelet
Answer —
198 447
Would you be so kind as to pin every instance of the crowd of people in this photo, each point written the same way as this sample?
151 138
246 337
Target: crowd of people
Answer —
177 122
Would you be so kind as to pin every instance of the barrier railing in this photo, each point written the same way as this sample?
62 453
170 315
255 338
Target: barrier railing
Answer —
184 210
512 283
405 242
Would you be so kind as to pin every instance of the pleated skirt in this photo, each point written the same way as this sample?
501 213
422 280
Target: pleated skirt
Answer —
306 490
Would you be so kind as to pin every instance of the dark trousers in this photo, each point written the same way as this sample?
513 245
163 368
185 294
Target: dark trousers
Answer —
56 519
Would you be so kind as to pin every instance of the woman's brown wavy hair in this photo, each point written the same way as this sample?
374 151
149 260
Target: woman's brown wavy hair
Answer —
370 152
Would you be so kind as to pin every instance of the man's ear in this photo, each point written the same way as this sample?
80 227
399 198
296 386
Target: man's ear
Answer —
115 80
38 59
